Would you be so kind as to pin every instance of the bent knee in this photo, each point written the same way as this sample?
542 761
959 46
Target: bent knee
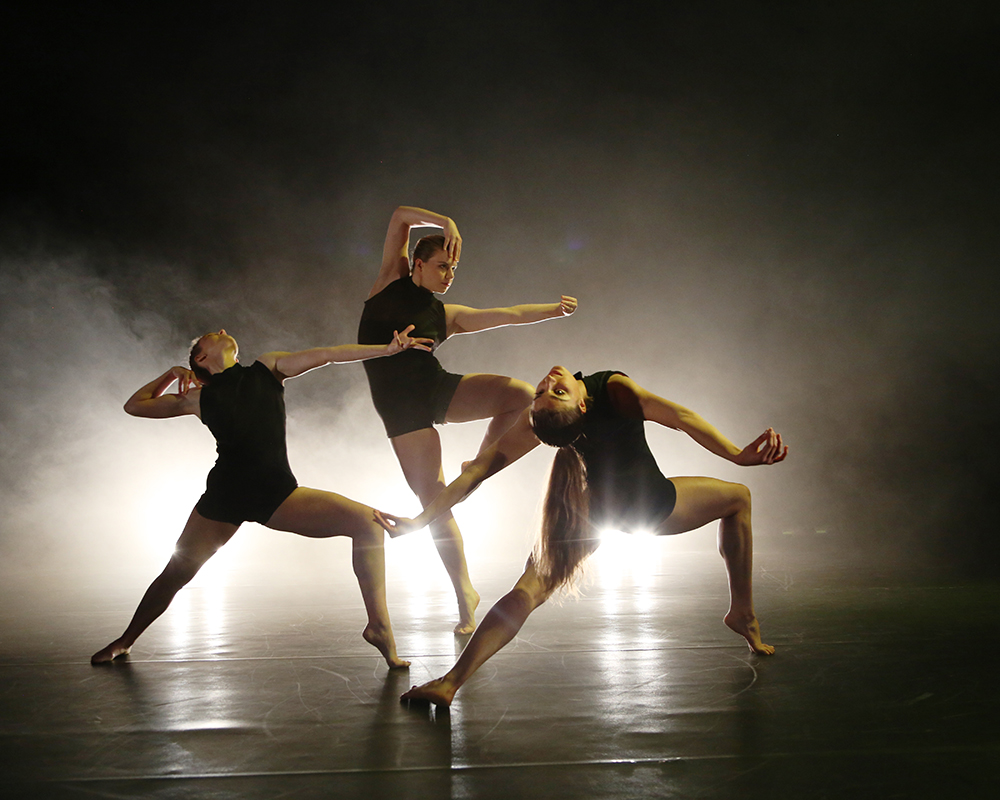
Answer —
367 533
513 395
424 481
531 596
182 567
426 490
521 393
741 498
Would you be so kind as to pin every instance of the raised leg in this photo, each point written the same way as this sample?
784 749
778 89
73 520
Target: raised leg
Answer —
318 515
704 500
498 627
198 542
494 397
419 455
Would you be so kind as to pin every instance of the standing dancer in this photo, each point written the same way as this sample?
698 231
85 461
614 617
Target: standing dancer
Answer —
412 392
244 408
604 475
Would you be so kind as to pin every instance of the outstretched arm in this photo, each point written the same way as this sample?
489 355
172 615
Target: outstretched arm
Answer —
518 440
462 319
153 401
290 365
633 400
395 251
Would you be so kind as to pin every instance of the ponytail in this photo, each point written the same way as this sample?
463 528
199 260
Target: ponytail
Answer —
567 536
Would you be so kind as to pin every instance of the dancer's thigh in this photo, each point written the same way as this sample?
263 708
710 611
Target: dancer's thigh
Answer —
701 501
318 514
483 396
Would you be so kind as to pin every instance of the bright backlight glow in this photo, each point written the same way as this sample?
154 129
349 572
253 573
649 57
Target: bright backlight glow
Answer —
162 510
622 556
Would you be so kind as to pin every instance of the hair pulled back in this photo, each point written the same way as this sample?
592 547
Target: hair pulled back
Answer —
567 536
427 246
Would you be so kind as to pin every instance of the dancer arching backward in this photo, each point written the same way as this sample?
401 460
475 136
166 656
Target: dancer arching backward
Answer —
244 408
412 392
604 476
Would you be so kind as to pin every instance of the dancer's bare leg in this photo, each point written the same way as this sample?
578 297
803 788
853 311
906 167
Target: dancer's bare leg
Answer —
494 397
198 542
419 454
703 500
498 627
318 515
478 396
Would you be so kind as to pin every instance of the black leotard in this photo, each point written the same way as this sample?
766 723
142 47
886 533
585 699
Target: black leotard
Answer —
244 408
627 490
411 390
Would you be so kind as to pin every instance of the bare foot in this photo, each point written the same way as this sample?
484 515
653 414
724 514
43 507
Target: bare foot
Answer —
110 653
749 629
467 612
438 691
381 638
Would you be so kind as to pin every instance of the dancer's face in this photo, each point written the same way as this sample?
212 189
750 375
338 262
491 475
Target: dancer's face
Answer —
436 274
213 346
559 390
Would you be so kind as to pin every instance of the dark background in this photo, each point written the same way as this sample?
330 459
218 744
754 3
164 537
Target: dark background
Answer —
776 213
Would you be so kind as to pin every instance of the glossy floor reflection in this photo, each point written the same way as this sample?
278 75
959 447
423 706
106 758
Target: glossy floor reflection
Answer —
880 688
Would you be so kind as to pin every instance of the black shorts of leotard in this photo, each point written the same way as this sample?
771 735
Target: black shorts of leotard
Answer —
423 404
238 495
645 511
244 407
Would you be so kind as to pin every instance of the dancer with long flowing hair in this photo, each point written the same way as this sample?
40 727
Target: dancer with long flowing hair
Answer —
603 476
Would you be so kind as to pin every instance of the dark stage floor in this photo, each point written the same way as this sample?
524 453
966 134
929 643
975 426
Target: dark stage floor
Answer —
881 687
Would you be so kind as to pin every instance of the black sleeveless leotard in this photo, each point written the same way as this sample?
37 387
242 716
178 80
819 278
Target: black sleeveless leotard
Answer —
244 408
411 390
627 490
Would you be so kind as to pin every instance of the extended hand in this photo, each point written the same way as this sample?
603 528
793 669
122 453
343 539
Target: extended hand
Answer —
395 526
567 305
403 341
765 449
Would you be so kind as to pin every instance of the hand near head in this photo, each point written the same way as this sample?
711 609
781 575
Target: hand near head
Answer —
153 401
567 305
186 380
452 241
395 526
765 449
401 340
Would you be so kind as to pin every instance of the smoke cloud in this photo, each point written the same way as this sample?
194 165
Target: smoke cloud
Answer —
774 217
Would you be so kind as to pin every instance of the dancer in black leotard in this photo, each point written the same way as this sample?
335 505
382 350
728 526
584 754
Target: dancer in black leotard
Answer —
417 375
627 490
244 408
604 476
412 392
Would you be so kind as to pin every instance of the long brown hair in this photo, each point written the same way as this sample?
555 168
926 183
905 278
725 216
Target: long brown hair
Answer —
567 536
